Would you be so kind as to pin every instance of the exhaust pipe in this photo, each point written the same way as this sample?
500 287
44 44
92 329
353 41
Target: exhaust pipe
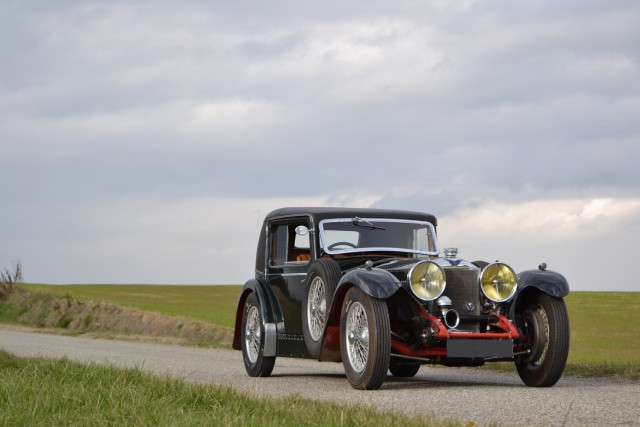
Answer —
449 316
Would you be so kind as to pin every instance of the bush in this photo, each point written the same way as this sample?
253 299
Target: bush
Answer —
9 279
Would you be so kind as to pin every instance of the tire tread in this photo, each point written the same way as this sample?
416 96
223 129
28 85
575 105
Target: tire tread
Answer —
264 365
380 342
555 360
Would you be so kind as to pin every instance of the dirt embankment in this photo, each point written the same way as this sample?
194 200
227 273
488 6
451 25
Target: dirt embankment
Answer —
43 310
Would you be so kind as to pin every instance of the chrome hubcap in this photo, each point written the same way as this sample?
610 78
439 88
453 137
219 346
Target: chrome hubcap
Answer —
357 333
252 334
316 309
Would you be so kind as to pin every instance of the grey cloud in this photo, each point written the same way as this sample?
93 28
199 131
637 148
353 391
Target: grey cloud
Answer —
456 103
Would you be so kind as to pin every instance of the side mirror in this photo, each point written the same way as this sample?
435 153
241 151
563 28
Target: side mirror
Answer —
302 230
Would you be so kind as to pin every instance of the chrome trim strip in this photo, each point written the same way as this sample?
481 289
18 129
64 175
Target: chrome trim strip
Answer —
267 241
287 274
454 263
379 249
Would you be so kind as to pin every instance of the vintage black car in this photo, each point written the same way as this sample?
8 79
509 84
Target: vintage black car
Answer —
371 289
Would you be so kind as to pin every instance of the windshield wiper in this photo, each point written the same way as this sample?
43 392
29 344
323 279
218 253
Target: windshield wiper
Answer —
359 222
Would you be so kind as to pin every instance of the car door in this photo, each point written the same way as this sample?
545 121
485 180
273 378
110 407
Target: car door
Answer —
290 254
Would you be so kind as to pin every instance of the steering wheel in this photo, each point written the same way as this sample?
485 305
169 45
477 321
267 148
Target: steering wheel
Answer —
333 245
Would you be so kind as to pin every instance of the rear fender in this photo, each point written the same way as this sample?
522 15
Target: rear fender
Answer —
268 313
376 283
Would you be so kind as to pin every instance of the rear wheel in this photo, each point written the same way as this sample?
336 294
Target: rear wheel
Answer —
545 324
404 370
256 364
365 340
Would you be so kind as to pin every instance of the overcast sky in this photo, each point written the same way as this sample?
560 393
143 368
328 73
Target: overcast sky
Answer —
144 142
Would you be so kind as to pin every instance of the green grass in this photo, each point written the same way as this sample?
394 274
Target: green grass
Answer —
605 328
9 313
46 392
604 325
214 304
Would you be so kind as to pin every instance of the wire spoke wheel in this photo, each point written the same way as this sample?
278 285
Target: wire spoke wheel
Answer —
255 362
322 279
316 308
252 334
365 339
357 337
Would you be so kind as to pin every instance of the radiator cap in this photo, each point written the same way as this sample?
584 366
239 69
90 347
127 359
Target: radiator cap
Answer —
450 252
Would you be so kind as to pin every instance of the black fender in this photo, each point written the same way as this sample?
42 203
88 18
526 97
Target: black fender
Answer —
531 282
269 312
376 283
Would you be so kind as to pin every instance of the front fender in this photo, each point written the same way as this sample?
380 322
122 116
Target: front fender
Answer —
376 283
549 282
268 313
533 281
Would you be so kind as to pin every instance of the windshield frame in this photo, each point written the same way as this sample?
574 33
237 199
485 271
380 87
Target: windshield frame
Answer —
323 245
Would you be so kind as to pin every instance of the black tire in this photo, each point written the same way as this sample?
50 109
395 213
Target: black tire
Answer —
365 353
545 323
404 369
256 364
324 273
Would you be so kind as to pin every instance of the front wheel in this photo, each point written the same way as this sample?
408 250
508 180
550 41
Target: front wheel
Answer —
365 340
404 370
545 324
256 364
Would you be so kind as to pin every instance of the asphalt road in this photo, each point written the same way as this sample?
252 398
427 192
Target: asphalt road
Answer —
464 394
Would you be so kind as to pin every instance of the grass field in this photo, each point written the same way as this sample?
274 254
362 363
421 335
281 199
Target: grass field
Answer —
47 392
215 304
604 327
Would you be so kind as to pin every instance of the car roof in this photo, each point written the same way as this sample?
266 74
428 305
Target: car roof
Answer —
319 213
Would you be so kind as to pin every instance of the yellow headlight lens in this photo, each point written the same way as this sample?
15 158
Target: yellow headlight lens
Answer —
427 280
498 282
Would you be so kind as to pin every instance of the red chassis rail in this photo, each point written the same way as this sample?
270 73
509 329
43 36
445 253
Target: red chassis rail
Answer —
440 332
331 342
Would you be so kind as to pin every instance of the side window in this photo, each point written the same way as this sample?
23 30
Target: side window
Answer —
279 245
288 247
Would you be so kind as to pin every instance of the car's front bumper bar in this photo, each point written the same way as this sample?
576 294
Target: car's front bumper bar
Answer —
484 348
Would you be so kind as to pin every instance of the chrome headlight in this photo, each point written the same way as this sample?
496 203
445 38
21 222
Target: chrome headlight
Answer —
427 280
498 282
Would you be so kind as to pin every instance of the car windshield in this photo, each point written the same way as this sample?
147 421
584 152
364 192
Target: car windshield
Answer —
346 235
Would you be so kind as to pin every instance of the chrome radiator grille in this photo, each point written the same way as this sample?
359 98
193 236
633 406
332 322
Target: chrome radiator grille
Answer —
462 288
